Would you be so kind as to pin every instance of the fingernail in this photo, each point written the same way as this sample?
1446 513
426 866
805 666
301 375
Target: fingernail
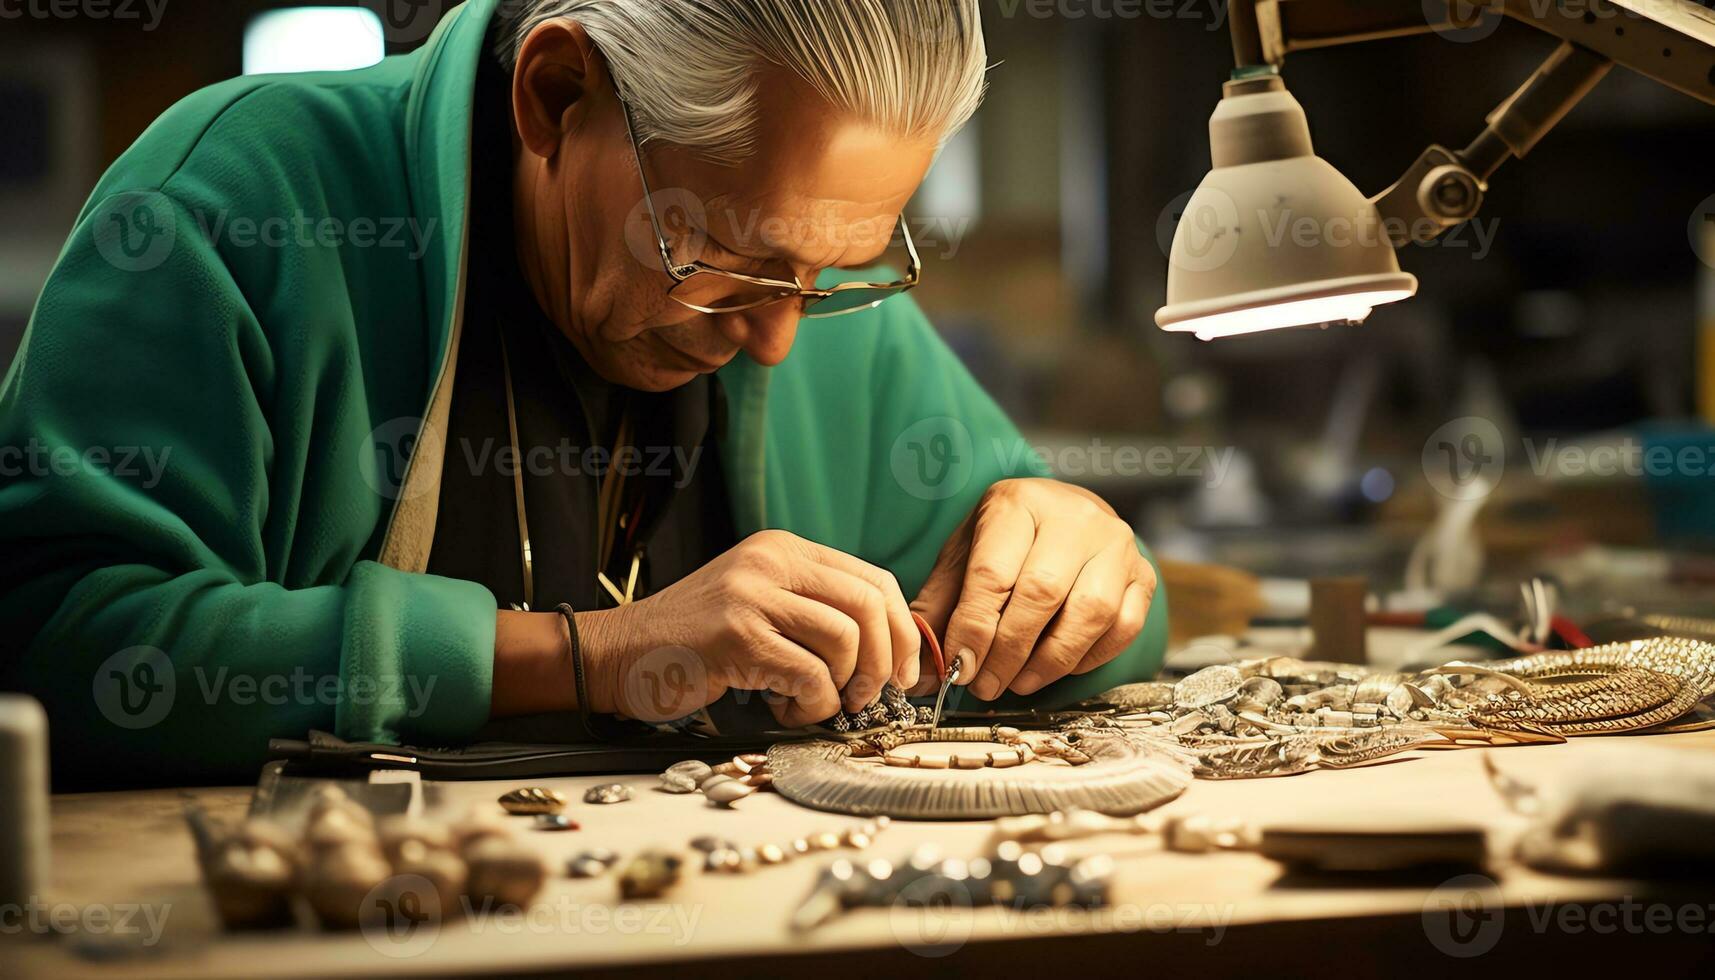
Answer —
986 686
969 660
1027 682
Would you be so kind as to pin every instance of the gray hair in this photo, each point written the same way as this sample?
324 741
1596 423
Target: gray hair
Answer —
688 68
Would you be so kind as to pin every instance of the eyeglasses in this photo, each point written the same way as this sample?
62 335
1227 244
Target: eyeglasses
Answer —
706 289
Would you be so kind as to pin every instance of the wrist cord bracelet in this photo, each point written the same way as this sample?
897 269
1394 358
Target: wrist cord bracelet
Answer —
566 613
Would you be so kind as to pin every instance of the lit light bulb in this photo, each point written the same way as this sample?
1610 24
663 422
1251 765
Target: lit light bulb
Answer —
1353 308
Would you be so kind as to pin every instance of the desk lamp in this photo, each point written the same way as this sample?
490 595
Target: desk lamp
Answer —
1276 237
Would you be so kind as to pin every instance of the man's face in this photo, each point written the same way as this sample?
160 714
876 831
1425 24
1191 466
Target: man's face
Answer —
819 191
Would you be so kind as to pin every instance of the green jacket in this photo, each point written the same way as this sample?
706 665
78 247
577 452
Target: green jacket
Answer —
209 531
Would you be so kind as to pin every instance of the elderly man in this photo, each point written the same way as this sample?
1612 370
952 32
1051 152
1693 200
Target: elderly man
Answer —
560 366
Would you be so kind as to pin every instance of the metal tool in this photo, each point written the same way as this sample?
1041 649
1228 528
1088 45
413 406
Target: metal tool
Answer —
951 678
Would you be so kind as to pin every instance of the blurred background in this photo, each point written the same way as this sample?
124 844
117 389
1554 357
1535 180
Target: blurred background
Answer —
1567 317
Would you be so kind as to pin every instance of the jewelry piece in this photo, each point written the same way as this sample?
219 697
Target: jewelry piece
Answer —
592 863
1208 686
1186 833
724 856
685 777
533 800
341 863
649 875
1108 771
607 793
725 790
1017 755
1013 877
891 708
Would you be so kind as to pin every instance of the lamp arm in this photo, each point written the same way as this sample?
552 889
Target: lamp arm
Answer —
1443 187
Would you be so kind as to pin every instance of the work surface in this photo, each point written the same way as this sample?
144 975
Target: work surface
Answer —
1228 911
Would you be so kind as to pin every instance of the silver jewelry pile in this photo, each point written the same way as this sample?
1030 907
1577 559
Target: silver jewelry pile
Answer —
1013 877
891 708
1278 716
1138 745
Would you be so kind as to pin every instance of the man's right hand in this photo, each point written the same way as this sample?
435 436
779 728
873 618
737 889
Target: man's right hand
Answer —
817 629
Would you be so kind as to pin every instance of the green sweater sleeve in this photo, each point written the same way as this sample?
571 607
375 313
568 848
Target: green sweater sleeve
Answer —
167 592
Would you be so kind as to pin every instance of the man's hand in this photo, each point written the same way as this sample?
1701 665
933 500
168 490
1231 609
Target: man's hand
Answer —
816 627
1041 580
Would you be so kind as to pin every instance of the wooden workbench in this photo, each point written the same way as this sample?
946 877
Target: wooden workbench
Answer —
1224 912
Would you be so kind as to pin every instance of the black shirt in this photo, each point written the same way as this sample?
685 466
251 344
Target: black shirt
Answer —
568 418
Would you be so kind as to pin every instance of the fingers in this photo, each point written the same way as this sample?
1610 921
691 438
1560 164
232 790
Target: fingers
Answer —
1088 614
859 650
821 628
805 693
1049 572
898 633
940 592
935 603
1134 610
1000 542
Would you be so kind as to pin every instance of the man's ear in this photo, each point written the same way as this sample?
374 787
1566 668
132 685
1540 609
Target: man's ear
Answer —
558 68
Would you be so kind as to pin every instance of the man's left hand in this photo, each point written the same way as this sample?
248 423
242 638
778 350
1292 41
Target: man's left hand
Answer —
1042 580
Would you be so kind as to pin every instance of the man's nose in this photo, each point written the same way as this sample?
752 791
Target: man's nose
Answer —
765 333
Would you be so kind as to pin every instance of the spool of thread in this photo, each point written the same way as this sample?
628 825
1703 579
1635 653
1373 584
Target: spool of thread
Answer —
23 800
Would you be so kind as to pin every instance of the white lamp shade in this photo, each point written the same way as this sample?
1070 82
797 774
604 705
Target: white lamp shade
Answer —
1274 236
